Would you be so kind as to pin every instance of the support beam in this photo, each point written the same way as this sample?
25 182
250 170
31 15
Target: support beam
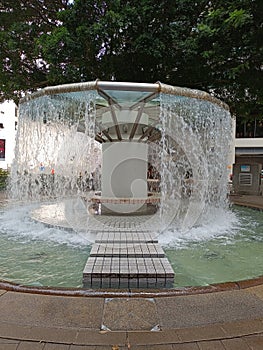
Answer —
99 138
115 122
148 131
107 135
137 120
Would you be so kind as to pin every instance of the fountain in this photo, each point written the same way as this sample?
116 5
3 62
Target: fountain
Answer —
128 164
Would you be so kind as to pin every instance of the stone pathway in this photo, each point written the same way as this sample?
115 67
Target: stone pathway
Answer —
127 260
72 214
255 202
126 256
217 321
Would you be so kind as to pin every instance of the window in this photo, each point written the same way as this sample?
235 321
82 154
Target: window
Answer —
251 128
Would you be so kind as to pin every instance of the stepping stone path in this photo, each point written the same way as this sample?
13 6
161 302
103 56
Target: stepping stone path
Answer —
127 260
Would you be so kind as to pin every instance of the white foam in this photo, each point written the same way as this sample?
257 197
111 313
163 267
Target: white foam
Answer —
16 222
216 222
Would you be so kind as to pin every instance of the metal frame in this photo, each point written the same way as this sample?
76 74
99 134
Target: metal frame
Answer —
150 134
125 86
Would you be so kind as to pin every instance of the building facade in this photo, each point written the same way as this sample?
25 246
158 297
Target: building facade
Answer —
247 169
8 127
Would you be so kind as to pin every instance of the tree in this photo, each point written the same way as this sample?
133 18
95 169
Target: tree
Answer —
229 38
212 45
22 67
139 40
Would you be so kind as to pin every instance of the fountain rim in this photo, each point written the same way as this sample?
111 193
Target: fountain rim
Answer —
125 86
135 293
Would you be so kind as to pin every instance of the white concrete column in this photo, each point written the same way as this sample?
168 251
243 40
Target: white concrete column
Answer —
124 174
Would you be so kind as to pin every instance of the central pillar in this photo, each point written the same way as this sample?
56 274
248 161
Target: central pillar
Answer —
124 176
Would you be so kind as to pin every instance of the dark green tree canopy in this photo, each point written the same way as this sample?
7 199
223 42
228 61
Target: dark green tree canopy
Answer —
209 45
22 66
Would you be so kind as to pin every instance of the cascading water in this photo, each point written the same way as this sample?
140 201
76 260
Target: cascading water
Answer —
196 139
58 168
56 151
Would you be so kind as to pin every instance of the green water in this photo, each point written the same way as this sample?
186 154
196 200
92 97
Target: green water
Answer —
42 263
32 254
229 257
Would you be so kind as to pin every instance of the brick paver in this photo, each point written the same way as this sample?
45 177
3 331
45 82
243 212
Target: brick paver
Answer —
211 345
235 344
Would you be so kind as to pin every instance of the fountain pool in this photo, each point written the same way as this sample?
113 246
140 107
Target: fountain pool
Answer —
36 255
124 157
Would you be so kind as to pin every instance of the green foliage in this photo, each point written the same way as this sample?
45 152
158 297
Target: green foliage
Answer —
22 67
3 178
209 45
229 39
238 18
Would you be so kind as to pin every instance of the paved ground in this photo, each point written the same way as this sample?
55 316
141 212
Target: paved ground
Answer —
223 320
248 201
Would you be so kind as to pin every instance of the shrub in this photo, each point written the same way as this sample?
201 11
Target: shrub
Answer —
3 178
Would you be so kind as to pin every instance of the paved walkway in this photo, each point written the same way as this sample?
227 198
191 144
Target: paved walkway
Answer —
248 201
210 318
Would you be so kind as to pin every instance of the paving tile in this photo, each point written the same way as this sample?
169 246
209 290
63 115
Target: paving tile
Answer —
92 338
159 347
208 332
186 346
56 335
9 330
2 292
83 347
50 346
153 338
130 314
51 311
203 309
235 344
7 341
241 328
110 347
8 346
25 333
255 341
211 345
29 345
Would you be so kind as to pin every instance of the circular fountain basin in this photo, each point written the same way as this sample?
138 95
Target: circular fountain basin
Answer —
34 254
125 140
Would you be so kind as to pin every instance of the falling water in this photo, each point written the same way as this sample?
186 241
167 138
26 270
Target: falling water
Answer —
57 155
194 148
56 151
